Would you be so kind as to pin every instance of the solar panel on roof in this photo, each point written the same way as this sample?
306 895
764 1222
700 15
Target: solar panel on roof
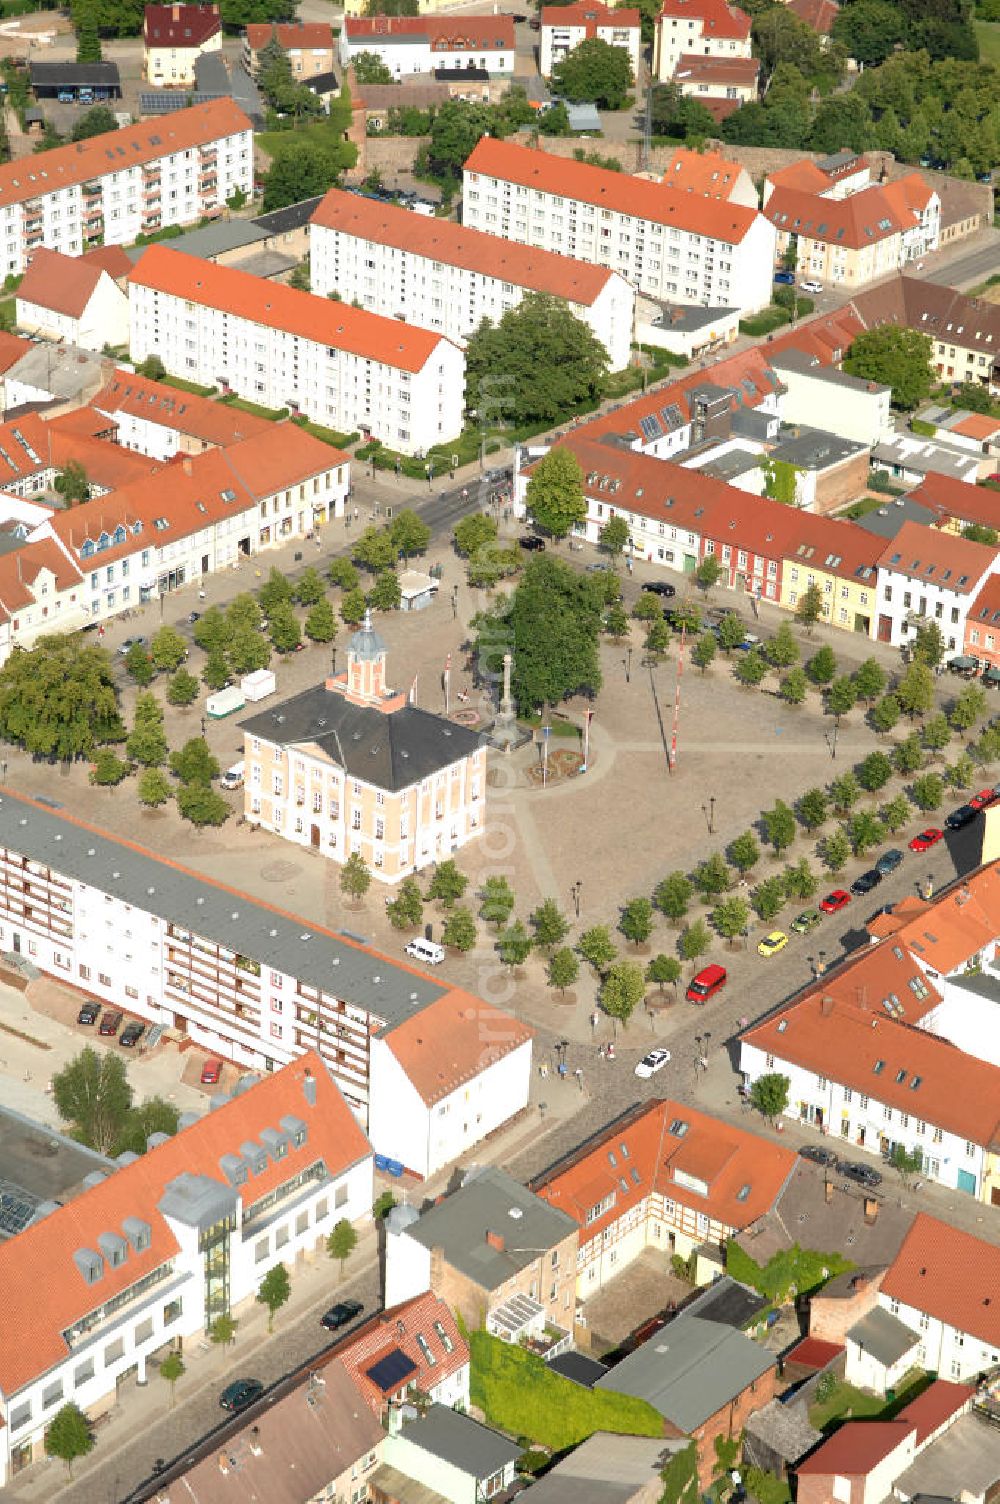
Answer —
16 1209
391 1371
671 415
651 427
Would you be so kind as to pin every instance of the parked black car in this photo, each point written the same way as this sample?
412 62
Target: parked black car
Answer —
531 543
240 1393
861 1174
131 1034
342 1313
818 1155
660 587
867 881
960 817
88 1013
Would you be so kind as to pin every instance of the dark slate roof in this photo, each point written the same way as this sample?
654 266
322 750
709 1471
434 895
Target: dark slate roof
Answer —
578 1367
322 83
466 1444
390 751
292 217
76 75
728 1302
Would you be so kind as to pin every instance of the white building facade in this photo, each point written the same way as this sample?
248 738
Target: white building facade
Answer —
409 45
102 320
669 245
351 370
448 278
564 27
706 28
928 576
113 187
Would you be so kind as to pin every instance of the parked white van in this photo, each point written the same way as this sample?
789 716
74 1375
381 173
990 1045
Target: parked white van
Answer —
426 951
232 778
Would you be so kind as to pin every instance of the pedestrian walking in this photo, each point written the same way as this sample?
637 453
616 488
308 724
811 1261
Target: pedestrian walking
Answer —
578 1073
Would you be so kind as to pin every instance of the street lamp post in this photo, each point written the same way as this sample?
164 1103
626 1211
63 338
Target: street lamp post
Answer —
575 891
333 662
627 660
709 814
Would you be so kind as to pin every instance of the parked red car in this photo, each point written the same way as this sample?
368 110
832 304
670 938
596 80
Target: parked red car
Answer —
706 983
926 839
210 1072
838 899
983 799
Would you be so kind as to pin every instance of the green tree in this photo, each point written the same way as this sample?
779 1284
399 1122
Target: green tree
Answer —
869 680
869 30
845 792
597 948
309 588
341 1243
769 898
704 651
274 1291
343 573
894 356
885 715
750 669
731 632
928 644
908 1162
895 813
809 608
68 1434
962 772
874 772
663 969
800 880
647 607
447 884
147 743
707 574
97 121
636 922
841 697
594 71
406 910
182 689
223 1331
657 639
836 851
459 930
614 536
548 360
928 791
355 877
908 755
548 924
694 942
616 622
139 665
915 690
283 626
563 969
978 532
744 852
514 945
779 826
794 686
199 803
730 917
353 607
936 734
409 533
473 533
968 708
551 624
108 770
822 667
303 167
496 901
769 1094
153 788
276 591
554 496
813 808
172 1368
386 592
375 550
213 631
168 649
864 831
215 674
93 1097
194 763
674 114
370 69
320 624
782 651
622 990
712 876
672 896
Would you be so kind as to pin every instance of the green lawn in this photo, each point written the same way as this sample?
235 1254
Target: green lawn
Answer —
848 1403
988 33
328 435
189 386
272 414
319 132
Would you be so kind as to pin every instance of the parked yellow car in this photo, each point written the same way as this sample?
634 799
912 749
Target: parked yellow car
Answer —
772 943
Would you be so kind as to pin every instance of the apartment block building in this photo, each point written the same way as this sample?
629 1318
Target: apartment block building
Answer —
352 765
113 187
850 241
352 370
564 27
927 575
445 277
308 45
409 45
673 246
157 1246
174 37
698 28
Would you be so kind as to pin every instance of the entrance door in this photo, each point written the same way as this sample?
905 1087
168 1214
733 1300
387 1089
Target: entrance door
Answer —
314 836
967 1182
995 1195
204 563
17 943
885 629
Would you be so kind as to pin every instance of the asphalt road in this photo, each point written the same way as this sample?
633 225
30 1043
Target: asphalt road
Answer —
966 271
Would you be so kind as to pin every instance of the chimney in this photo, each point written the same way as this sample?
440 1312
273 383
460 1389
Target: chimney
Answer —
309 1087
186 465
826 1005
255 1445
495 1240
828 1191
871 1211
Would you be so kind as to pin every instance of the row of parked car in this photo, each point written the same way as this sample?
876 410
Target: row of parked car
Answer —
110 1023
861 1174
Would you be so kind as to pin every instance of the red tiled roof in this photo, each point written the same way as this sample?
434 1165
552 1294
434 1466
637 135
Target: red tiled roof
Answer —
180 25
83 422
719 109
291 35
534 168
398 1327
743 1173
705 172
949 1274
453 1042
33 1329
717 18
856 1449
215 422
12 349
774 531
813 1352
110 258
107 465
818 15
938 1403
62 284
694 67
19 571
590 16
444 33
856 221
944 559
976 426
803 176
957 925
245 296
133 146
986 606
472 250
958 499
